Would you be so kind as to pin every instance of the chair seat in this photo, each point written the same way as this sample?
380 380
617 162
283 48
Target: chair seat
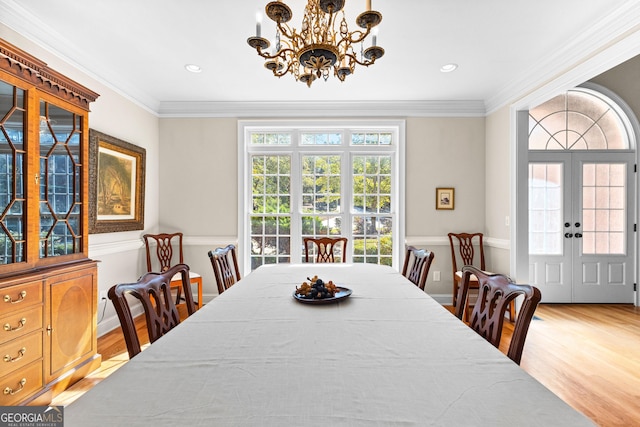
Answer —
473 277
176 282
192 275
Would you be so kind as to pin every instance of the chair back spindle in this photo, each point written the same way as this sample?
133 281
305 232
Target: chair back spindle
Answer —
496 292
416 265
324 248
154 293
166 244
225 267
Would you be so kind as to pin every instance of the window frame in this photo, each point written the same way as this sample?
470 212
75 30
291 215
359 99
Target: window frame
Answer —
346 150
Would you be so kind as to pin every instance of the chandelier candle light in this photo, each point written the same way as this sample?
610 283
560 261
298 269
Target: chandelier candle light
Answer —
318 47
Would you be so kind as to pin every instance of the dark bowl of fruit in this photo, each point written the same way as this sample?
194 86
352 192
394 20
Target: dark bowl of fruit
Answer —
317 291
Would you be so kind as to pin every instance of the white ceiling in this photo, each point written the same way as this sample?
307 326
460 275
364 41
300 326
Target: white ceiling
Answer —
503 47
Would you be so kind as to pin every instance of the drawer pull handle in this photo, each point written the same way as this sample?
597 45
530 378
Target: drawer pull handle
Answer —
21 353
9 328
11 391
22 296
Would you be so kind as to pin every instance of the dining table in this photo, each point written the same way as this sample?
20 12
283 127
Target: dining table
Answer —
388 354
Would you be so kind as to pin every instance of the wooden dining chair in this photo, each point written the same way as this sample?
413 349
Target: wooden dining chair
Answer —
495 293
470 251
324 248
153 290
416 265
225 267
168 252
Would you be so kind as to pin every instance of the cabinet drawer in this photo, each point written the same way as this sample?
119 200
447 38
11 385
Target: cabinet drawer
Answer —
19 297
18 353
19 385
20 323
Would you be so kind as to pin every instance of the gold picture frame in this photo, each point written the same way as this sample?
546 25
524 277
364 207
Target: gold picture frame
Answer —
116 184
445 198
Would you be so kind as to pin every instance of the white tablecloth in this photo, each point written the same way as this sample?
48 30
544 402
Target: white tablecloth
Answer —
388 355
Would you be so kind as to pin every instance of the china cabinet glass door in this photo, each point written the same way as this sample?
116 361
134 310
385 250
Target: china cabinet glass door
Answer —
60 181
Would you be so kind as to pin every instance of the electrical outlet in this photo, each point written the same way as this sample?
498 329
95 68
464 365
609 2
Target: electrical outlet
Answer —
436 276
103 295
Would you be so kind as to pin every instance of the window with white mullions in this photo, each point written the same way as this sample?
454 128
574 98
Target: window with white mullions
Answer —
372 201
270 216
321 178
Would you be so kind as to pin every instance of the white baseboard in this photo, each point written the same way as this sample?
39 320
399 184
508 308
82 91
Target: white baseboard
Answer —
444 299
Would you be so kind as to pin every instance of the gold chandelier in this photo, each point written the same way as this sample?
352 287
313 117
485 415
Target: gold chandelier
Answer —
318 47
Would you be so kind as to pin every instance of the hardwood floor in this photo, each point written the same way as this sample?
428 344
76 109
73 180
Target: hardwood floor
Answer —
588 355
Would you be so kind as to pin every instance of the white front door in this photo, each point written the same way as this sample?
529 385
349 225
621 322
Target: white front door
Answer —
581 241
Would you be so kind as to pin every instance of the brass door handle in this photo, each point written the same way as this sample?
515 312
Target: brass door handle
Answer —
9 328
21 352
11 391
21 297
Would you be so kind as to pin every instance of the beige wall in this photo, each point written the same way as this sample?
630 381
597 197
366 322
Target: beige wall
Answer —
444 152
498 186
624 80
199 176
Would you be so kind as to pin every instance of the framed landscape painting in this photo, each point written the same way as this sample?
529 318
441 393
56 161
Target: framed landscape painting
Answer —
116 184
445 198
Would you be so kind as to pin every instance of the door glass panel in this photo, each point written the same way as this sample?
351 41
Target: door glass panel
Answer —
60 189
545 208
604 208
12 196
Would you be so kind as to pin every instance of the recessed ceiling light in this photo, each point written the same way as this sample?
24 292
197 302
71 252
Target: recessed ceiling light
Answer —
193 68
447 68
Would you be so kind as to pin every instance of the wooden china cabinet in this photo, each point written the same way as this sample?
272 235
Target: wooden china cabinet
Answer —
48 285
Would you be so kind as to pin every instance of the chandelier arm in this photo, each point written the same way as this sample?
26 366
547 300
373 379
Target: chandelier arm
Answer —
284 71
289 33
364 63
280 54
361 37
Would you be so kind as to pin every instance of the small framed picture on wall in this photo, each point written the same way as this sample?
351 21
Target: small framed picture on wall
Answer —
445 198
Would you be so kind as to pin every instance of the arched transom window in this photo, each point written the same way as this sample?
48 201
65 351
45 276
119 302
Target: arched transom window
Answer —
579 119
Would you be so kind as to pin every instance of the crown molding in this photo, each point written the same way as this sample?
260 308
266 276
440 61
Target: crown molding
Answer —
271 109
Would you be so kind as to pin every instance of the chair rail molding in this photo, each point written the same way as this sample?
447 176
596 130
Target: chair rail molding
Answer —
97 250
426 241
